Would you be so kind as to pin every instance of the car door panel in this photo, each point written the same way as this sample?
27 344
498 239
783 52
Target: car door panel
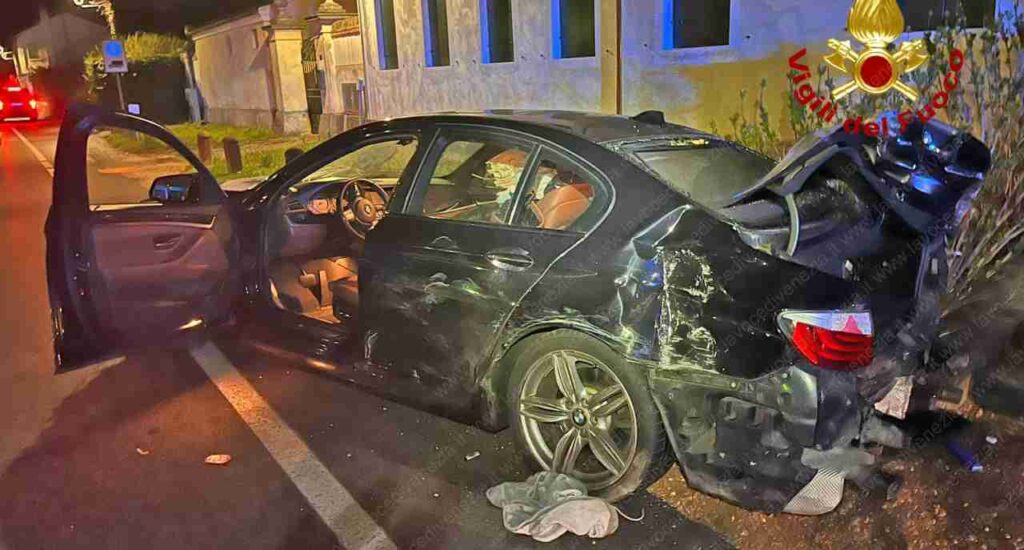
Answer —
436 304
436 291
157 273
129 275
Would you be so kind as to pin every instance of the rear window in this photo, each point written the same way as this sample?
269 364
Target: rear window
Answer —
712 175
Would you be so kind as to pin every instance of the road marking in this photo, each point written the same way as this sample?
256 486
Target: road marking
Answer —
354 527
35 152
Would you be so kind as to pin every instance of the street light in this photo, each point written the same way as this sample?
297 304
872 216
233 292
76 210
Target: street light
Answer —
104 7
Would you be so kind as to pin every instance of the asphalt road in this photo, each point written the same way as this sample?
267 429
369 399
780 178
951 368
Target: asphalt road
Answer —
112 456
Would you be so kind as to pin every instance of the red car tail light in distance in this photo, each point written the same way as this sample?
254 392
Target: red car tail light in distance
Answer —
835 340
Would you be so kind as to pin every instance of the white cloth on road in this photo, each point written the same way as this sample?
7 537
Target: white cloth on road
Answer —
548 504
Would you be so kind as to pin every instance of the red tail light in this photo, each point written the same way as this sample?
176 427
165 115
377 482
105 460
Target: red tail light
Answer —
835 340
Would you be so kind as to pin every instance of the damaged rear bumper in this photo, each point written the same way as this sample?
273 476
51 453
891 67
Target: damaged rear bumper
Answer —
784 442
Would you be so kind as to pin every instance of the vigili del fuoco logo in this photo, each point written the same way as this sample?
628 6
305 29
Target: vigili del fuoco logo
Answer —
876 66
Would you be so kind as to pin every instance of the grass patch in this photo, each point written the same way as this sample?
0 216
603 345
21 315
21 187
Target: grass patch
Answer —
261 161
131 142
188 133
262 149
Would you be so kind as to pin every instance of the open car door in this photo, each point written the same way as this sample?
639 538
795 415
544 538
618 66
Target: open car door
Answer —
140 240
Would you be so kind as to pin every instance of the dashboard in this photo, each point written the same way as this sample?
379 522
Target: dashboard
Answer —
309 220
316 201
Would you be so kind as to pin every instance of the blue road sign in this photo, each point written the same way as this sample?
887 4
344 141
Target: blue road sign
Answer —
113 57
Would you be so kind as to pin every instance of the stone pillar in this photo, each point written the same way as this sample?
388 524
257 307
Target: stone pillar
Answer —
291 113
321 25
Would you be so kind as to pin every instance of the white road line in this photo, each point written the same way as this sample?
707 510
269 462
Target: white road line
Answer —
35 152
355 529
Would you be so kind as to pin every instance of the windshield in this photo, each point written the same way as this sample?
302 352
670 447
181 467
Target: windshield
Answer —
713 175
381 160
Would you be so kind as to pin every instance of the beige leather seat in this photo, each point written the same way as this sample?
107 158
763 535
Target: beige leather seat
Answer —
561 207
332 280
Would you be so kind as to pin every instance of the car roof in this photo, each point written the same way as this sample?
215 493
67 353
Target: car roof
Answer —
597 127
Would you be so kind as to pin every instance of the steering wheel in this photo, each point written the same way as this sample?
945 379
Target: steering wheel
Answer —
363 210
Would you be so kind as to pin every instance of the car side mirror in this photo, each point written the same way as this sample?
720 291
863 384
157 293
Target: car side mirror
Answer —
174 188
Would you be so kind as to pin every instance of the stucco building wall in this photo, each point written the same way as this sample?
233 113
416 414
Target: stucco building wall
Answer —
533 80
698 86
233 69
251 68
693 86
343 62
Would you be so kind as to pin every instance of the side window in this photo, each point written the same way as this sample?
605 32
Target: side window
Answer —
473 180
123 165
558 195
926 15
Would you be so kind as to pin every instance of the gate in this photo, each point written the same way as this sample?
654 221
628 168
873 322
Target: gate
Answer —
314 77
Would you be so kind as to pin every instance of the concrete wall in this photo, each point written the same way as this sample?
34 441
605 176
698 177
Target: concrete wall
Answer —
233 69
694 86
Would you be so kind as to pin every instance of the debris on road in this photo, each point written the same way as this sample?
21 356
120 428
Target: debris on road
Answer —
141 451
472 455
218 460
967 458
549 504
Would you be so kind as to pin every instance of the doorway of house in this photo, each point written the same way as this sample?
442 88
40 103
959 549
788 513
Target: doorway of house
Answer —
313 74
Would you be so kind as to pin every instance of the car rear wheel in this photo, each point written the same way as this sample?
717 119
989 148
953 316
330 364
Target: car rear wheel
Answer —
578 408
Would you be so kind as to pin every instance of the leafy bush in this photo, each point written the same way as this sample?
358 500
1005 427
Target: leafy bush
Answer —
140 48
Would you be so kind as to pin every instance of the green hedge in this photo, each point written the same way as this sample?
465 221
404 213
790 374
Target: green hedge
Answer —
141 49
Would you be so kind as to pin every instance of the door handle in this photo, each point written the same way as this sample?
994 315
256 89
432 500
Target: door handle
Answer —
165 242
512 259
444 242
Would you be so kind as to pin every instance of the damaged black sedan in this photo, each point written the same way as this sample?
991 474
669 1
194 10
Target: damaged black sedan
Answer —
623 293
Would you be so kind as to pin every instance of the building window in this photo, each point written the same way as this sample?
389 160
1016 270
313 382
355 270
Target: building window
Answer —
496 31
574 28
696 23
926 15
387 40
435 32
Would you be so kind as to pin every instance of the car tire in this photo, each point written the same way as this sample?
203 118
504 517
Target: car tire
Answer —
641 459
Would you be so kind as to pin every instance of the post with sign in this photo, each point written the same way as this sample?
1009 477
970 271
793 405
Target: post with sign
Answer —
115 63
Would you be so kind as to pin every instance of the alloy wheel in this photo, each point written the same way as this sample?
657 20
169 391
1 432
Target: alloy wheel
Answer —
578 418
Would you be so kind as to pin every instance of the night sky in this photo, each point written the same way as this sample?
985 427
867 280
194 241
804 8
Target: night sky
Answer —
168 16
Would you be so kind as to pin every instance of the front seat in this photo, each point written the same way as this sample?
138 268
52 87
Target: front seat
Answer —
340 275
346 287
